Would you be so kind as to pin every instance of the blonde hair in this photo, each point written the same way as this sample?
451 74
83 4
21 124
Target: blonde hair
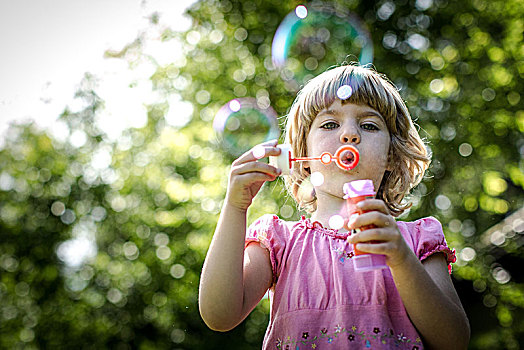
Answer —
407 151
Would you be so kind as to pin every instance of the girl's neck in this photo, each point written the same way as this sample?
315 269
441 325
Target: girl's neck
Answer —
327 206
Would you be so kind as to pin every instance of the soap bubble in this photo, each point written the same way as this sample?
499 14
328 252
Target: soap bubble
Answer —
336 222
311 39
301 11
259 152
241 124
317 178
344 92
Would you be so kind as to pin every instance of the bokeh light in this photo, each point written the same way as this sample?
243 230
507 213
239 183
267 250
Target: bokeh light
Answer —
241 124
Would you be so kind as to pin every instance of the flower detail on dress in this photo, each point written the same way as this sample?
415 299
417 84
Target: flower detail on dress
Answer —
340 336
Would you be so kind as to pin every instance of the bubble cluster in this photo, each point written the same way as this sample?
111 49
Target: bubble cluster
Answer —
241 124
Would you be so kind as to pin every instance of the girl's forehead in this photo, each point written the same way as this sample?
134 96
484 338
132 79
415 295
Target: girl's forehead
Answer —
339 107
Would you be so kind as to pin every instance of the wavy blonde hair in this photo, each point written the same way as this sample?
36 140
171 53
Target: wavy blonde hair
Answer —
407 152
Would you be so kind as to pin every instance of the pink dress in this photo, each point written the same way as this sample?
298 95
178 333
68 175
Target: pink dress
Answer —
318 301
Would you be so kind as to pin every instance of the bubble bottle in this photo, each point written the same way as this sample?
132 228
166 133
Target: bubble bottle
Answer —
354 192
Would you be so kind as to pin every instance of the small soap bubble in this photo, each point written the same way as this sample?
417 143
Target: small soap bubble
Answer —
317 178
336 222
242 123
301 11
344 92
259 152
234 105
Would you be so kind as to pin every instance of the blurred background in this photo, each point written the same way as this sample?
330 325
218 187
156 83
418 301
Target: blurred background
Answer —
107 210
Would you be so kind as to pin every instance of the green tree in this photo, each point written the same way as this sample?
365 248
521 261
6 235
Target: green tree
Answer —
151 198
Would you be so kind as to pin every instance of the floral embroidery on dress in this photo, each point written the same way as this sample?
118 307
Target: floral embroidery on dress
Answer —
368 339
343 255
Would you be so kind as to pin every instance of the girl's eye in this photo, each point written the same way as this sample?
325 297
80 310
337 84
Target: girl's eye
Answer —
329 126
369 126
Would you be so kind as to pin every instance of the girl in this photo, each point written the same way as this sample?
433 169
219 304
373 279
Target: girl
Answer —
317 298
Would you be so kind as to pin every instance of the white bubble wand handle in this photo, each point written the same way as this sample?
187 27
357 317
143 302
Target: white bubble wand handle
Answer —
346 158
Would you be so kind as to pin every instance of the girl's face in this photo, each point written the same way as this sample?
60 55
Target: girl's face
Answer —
349 124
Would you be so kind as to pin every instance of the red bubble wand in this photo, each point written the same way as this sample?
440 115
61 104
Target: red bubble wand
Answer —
346 158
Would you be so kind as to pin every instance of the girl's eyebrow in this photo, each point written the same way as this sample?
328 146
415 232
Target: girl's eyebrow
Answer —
372 114
326 111
362 114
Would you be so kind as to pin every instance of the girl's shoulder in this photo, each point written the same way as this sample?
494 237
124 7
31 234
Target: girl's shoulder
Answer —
427 226
271 221
426 237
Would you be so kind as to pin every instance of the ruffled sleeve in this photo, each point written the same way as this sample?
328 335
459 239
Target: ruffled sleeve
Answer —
270 232
426 238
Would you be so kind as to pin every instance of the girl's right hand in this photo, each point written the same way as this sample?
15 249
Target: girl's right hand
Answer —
247 175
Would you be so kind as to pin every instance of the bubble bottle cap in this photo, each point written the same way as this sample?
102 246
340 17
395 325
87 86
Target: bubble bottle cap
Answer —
358 188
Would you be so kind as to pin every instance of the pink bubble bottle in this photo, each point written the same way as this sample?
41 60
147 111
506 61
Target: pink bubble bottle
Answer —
356 191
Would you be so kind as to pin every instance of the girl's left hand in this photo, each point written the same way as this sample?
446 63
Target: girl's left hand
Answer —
387 237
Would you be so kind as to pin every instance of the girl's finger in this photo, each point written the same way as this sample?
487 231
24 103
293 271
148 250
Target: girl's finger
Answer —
255 167
373 204
258 152
373 234
375 248
376 218
253 177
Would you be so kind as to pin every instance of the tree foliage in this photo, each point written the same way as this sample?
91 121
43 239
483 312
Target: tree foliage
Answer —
147 202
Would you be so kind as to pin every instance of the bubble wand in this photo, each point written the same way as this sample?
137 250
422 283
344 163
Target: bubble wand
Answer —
346 158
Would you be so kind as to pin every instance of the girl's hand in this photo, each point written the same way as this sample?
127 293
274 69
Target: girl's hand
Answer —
390 241
247 175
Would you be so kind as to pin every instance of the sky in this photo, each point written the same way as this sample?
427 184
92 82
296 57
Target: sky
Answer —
47 46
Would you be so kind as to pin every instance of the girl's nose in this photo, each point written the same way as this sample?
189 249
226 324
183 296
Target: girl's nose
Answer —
350 136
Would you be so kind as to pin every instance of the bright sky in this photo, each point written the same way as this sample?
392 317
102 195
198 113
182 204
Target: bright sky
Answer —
47 45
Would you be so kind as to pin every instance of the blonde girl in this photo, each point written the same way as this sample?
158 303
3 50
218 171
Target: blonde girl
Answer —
317 298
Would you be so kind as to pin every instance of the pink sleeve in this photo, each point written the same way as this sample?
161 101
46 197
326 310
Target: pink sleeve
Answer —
428 239
269 231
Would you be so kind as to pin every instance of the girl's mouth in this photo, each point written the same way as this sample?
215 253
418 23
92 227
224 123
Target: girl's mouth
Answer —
347 157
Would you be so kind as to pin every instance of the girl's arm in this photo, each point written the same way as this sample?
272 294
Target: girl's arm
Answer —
426 289
234 280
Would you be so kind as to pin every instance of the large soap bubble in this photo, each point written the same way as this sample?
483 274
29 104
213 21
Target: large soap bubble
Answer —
242 123
311 39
